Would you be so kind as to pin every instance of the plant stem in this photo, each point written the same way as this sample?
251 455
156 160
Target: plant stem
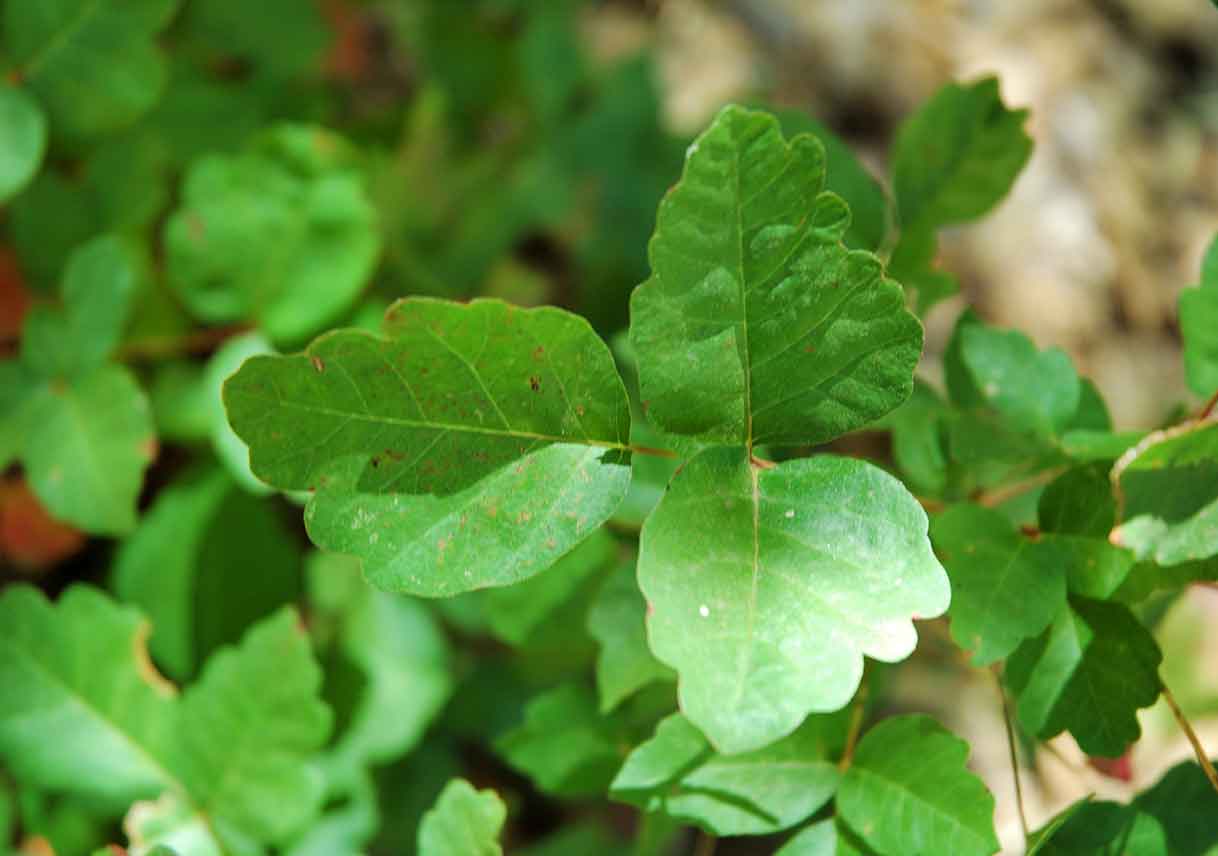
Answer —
654 452
1002 494
1209 407
856 725
1006 720
705 845
1198 749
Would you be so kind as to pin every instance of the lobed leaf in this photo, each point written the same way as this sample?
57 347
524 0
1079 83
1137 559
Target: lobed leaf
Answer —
907 792
767 586
463 822
1089 673
470 446
757 325
753 793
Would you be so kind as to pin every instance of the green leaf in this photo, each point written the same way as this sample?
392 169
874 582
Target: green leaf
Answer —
1076 511
1005 587
463 822
848 178
207 561
907 792
81 696
86 460
767 586
1199 326
45 224
515 612
229 448
23 140
919 440
1089 674
1167 495
616 620
1036 391
401 654
280 37
913 265
957 156
93 70
282 234
752 293
99 284
829 837
754 793
564 745
471 446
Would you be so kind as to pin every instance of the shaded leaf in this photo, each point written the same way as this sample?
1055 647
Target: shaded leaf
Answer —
767 586
1005 587
752 290
907 792
471 446
616 620
463 822
93 70
754 793
564 745
1036 391
23 140
1089 674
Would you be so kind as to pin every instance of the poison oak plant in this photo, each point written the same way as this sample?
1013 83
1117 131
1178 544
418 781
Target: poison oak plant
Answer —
574 564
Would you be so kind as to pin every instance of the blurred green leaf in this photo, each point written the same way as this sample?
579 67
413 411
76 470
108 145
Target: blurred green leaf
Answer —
471 446
1199 326
229 448
617 621
206 562
93 69
957 156
754 793
282 234
752 291
908 791
282 38
464 822
23 140
763 622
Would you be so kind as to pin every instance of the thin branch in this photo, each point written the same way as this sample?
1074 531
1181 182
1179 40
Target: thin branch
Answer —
1002 494
655 453
1209 407
1006 720
1198 749
856 725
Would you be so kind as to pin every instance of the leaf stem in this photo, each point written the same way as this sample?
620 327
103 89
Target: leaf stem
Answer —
654 452
1198 749
1006 720
856 725
1002 494
1209 407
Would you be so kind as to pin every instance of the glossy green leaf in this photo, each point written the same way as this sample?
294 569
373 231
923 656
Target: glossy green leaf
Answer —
1076 511
831 837
1199 326
23 140
1006 587
1089 674
470 446
95 437
93 69
767 586
1167 495
757 325
515 612
957 156
282 234
206 562
99 285
754 793
463 822
564 745
624 664
846 176
907 792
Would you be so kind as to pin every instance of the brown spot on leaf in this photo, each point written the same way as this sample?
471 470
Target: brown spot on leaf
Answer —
394 455
317 362
149 448
535 383
539 353
144 665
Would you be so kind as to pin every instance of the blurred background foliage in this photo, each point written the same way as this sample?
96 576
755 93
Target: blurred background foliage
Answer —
274 169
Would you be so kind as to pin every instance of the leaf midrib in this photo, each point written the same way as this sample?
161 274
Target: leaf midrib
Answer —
60 38
903 789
